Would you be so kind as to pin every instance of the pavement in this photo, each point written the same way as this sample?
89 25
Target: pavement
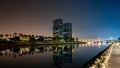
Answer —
114 60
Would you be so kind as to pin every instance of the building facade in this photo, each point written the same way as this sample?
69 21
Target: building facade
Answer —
62 30
58 28
67 30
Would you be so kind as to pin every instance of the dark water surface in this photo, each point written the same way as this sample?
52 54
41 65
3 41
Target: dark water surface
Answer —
51 56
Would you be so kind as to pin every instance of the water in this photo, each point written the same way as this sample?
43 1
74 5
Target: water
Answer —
51 56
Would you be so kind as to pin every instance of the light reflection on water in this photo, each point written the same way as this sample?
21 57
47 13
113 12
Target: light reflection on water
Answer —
51 56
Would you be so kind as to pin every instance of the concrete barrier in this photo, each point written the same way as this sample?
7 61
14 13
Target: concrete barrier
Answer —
100 60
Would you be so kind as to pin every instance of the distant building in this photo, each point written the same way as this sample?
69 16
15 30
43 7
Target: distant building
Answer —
58 28
62 30
67 30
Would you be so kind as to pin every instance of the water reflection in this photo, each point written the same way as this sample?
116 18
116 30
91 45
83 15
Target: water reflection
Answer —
62 54
21 51
58 51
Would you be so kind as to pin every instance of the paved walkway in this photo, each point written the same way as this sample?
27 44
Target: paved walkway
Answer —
114 60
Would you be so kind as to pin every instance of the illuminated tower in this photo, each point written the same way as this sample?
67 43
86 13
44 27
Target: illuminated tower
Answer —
58 28
67 30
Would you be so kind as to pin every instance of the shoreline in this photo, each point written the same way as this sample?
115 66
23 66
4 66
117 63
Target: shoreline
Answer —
41 44
92 60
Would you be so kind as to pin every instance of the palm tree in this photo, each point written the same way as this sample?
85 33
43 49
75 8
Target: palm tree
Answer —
10 36
15 37
6 36
32 39
36 37
1 36
40 38
45 37
29 35
33 35
21 36
15 34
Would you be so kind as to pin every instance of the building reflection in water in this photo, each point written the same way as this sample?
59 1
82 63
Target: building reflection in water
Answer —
62 55
61 51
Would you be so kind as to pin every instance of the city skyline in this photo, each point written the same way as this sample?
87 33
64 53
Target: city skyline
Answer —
90 18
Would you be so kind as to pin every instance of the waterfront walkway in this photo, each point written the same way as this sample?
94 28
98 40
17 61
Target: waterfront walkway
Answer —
114 60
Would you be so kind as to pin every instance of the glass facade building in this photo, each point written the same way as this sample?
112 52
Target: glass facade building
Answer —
67 30
58 28
62 30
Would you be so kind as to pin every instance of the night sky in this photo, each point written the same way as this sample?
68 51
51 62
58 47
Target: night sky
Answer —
90 18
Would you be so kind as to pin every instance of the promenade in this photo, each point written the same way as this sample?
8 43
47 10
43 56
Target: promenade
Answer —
114 60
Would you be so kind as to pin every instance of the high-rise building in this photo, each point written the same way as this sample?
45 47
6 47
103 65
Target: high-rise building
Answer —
62 30
58 28
67 30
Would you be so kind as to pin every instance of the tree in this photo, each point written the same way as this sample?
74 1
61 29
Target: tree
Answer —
36 37
10 35
1 36
21 36
41 38
32 39
15 39
56 38
6 36
15 34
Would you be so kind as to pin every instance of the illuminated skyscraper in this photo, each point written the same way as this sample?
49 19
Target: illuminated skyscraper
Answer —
62 30
58 28
67 30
